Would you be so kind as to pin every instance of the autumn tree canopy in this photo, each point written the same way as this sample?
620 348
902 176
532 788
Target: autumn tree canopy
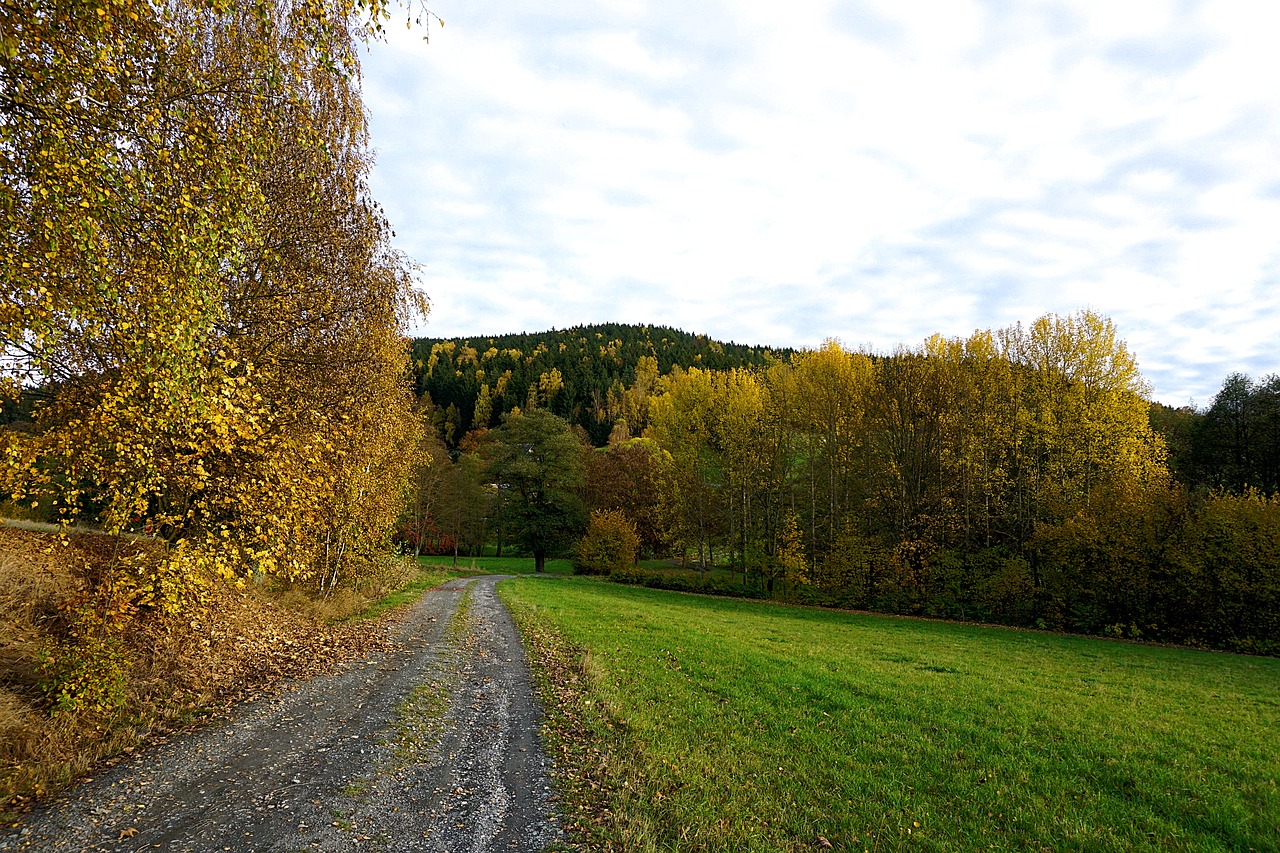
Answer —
201 299
1015 475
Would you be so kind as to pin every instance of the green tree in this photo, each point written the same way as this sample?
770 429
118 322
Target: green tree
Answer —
1238 443
536 460
1181 429
466 504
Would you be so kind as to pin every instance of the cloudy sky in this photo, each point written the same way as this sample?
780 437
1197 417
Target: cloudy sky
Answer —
869 171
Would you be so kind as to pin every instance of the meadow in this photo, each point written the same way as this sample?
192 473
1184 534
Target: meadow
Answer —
698 723
493 565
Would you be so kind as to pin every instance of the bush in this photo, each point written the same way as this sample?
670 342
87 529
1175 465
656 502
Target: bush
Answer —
88 675
610 544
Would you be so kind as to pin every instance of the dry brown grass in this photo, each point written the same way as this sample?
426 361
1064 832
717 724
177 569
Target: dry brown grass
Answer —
183 670
36 577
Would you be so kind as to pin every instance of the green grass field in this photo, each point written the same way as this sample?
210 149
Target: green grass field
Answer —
498 565
735 725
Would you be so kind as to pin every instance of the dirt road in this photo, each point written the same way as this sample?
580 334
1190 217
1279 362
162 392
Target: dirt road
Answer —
429 747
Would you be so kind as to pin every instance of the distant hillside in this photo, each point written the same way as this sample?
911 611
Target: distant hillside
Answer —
581 373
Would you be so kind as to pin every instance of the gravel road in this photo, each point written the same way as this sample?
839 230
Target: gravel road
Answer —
429 747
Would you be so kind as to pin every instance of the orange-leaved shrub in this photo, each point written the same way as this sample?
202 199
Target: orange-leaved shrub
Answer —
609 545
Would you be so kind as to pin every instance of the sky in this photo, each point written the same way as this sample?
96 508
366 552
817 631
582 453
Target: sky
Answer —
873 172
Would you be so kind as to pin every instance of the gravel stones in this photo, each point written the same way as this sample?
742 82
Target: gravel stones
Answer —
431 745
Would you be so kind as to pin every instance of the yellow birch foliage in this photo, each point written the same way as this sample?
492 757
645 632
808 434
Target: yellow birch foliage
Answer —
791 554
199 291
681 421
1086 412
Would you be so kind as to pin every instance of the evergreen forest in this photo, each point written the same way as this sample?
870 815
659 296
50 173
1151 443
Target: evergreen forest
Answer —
583 374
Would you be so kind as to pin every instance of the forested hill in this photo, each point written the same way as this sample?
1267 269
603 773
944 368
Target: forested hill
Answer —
582 373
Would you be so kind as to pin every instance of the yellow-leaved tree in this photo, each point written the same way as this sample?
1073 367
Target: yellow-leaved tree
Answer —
201 304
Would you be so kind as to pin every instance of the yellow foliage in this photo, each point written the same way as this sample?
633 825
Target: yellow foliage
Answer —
791 556
549 384
215 319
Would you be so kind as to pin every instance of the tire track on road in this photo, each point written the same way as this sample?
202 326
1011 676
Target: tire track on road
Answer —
432 746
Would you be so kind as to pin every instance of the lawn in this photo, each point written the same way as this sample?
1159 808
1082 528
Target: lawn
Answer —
719 724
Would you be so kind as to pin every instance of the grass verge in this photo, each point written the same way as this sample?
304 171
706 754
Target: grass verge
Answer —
428 576
421 716
690 723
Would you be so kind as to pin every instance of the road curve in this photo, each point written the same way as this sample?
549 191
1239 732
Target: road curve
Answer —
431 747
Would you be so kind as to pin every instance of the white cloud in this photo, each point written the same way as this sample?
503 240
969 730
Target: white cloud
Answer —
869 171
623 51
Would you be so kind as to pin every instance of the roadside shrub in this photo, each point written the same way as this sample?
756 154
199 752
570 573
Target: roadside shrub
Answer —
907 584
852 569
90 674
610 544
92 660
1004 590
34 587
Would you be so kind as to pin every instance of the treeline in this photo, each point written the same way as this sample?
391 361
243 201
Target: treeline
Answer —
1012 476
1233 444
591 376
202 325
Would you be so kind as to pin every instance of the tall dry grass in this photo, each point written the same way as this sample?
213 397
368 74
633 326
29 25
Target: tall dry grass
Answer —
181 669
37 582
